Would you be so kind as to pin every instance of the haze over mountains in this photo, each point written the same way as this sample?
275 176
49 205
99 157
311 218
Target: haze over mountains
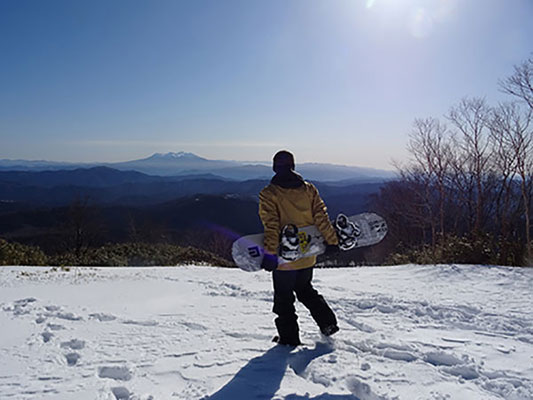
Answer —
182 163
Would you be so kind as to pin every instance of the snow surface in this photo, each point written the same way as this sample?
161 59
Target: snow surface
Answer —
407 332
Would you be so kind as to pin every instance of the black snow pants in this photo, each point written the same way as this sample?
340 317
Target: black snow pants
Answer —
286 284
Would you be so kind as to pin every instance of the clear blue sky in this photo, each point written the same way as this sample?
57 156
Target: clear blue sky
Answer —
334 81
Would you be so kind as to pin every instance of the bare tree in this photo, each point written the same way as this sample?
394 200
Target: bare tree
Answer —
472 167
504 162
514 125
520 83
401 202
431 150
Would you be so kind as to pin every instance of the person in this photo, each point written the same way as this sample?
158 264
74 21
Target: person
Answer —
289 199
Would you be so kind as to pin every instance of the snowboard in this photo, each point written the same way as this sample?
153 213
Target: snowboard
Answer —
354 231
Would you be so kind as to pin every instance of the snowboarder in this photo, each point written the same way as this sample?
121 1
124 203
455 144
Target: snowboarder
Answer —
289 199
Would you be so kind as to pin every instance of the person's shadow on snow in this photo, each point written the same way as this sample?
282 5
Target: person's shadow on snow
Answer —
261 377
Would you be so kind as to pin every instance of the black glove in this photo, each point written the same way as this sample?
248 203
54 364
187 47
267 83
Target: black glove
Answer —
270 262
332 250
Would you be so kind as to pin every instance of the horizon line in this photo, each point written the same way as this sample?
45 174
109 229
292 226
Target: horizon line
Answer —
245 162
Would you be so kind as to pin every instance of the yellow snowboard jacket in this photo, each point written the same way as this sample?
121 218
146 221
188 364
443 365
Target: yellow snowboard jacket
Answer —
301 206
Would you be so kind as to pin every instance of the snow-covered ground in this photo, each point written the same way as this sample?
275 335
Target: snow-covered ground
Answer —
407 332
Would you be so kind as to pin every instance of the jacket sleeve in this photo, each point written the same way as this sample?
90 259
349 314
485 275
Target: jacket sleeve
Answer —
269 214
321 217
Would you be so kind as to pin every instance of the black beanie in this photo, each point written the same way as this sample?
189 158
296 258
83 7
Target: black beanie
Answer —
283 161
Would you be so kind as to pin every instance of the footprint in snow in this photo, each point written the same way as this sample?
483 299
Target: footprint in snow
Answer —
46 335
72 358
362 390
74 344
466 372
102 317
300 360
26 301
399 355
450 364
442 359
20 307
118 373
140 323
121 393
55 327
68 316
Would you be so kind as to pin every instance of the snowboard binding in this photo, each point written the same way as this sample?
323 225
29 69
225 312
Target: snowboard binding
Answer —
289 243
379 227
347 232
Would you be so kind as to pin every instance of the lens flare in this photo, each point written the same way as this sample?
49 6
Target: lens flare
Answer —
370 3
421 23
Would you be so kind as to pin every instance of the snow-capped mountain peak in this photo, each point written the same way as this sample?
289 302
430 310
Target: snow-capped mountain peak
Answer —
174 155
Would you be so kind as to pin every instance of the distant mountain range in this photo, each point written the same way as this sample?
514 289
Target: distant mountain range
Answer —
161 196
187 164
35 205
104 185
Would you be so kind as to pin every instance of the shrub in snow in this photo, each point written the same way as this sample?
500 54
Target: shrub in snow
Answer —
19 254
140 254
481 249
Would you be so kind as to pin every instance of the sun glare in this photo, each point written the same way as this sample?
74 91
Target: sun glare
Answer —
420 18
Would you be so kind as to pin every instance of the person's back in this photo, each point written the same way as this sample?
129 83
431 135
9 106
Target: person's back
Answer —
288 199
301 206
